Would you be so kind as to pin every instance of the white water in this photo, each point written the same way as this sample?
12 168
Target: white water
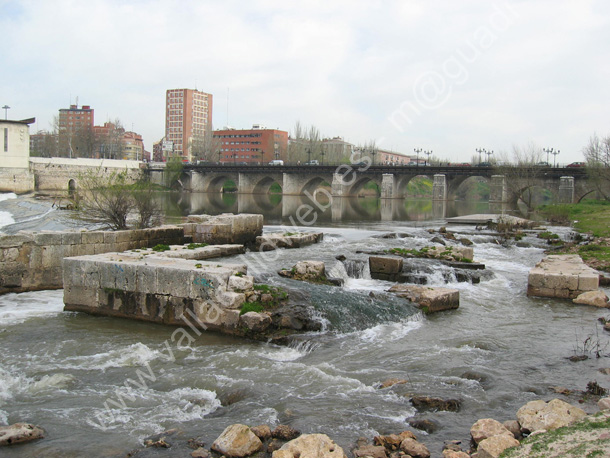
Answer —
5 217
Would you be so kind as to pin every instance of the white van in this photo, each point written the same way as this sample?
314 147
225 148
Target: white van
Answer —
276 162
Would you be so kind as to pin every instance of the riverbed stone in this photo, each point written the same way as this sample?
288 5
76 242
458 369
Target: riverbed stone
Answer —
263 432
432 403
240 283
414 448
486 428
385 265
493 446
285 432
429 299
538 415
237 441
310 446
374 451
595 298
604 404
562 276
19 432
254 321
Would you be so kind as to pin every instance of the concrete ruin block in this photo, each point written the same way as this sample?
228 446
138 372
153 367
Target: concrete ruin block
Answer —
94 237
385 264
81 295
559 280
71 238
72 271
109 238
172 281
229 299
229 319
536 279
429 299
588 282
123 236
240 283
52 255
126 278
15 241
47 238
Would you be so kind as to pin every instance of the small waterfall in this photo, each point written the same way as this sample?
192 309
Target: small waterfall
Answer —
357 268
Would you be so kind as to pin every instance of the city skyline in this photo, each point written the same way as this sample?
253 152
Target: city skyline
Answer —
433 75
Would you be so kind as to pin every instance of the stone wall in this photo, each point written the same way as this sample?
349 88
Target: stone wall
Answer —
225 228
16 180
31 261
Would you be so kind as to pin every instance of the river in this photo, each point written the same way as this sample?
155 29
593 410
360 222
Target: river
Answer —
499 350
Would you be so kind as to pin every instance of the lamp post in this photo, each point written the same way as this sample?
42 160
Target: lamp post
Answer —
373 153
547 151
417 151
6 108
554 153
487 154
308 156
480 150
428 153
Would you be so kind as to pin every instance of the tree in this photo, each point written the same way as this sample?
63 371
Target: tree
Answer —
112 200
173 170
597 156
305 144
206 148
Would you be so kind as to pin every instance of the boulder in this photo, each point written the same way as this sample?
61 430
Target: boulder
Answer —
454 454
374 451
604 404
391 382
537 415
493 446
237 441
310 268
393 441
263 432
254 321
310 446
201 453
19 432
430 403
414 448
424 424
285 432
595 298
514 427
429 299
240 284
486 428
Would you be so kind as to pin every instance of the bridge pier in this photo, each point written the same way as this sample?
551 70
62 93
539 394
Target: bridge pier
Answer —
498 191
339 187
439 187
566 190
388 186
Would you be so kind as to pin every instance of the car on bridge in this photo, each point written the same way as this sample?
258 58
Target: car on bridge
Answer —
276 162
312 162
577 164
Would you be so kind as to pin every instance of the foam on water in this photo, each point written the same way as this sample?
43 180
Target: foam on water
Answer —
6 218
17 308
137 354
388 332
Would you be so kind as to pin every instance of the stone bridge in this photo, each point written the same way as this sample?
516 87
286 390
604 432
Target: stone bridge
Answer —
349 180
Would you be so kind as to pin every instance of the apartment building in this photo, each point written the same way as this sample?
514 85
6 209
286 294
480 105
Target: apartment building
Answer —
188 116
258 145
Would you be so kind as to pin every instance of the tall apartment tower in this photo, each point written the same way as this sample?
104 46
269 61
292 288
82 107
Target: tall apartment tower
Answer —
188 113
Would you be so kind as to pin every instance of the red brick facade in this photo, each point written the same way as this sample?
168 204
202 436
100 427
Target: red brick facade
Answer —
252 146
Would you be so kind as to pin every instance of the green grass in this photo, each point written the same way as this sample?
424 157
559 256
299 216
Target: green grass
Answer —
420 186
588 216
192 246
251 307
161 247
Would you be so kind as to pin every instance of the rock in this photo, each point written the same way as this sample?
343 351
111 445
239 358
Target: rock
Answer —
285 432
414 448
604 404
385 264
391 382
19 432
201 453
560 390
576 358
424 425
263 432
486 428
595 298
605 370
393 441
495 445
466 242
340 257
375 451
438 240
310 268
563 276
514 427
430 403
536 415
429 299
455 454
296 316
274 444
310 446
237 441
452 445
241 284
254 321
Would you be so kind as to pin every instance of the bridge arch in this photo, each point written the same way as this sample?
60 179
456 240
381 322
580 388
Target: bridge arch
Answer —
361 181
71 185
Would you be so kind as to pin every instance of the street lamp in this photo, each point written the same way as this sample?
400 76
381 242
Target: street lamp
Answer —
487 154
6 108
554 153
547 151
373 153
417 151
428 153
308 157
480 150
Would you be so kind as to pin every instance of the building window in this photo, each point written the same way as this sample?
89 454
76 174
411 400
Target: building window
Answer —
6 139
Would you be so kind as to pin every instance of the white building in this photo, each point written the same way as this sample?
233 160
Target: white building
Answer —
15 143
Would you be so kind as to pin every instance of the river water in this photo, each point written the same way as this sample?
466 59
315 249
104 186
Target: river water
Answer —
499 350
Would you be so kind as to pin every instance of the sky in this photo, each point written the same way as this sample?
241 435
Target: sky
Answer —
442 75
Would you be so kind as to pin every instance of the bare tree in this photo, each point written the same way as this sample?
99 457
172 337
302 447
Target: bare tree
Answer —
597 155
206 147
523 176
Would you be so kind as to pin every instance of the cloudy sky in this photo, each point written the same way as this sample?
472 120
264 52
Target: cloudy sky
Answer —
443 75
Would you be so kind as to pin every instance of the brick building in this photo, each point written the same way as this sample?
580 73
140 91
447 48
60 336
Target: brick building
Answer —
188 116
258 145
